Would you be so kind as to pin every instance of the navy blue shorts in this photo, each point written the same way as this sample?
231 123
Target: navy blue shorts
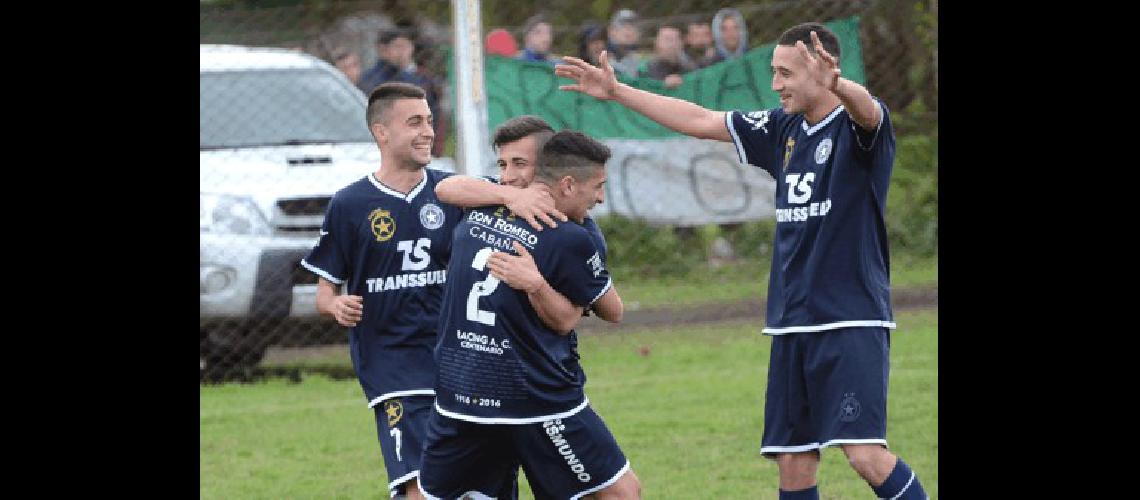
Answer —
566 458
400 424
826 388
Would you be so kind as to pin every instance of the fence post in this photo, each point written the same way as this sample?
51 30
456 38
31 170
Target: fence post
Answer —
471 98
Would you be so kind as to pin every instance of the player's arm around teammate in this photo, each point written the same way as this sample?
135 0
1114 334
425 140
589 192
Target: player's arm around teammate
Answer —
533 203
521 273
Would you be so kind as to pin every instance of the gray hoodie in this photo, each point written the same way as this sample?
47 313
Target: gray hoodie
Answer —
718 39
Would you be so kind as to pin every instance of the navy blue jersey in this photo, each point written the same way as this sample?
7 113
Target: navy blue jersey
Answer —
830 267
588 223
498 363
391 249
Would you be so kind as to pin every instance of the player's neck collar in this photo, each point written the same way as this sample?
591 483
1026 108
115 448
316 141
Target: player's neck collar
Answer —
392 192
822 123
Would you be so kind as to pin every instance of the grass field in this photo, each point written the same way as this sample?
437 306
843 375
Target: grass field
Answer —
688 415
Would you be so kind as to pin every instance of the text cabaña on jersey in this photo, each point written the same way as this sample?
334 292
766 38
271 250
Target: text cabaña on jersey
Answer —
503 227
797 214
376 285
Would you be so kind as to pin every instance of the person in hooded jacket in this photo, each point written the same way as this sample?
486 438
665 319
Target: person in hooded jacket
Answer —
729 34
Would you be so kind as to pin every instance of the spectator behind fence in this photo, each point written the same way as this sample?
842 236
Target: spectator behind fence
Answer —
667 63
591 41
397 64
699 49
537 37
729 33
348 62
623 38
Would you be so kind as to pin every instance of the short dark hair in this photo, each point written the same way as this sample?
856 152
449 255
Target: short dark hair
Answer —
572 153
802 33
381 98
521 126
533 21
386 36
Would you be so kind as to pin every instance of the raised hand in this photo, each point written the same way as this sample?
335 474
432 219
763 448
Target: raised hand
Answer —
822 66
535 203
591 80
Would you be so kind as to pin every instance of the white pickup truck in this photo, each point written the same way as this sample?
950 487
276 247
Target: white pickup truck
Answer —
279 132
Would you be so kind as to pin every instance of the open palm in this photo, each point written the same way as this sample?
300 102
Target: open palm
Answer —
591 80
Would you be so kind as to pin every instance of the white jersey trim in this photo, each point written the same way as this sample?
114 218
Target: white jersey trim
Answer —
414 392
603 486
322 273
817 446
505 420
735 138
822 123
879 126
789 449
470 495
829 326
834 442
401 480
609 283
392 192
428 496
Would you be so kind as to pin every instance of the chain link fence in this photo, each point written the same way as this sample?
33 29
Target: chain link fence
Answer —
282 128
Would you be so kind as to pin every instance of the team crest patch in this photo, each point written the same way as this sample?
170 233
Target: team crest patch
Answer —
431 216
823 151
849 408
394 410
383 225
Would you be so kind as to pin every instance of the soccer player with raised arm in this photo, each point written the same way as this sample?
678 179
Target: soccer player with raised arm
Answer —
830 147
509 388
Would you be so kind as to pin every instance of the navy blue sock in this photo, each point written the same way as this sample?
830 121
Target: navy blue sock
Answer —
902 484
805 494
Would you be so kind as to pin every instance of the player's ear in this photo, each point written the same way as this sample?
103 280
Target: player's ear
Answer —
566 184
379 131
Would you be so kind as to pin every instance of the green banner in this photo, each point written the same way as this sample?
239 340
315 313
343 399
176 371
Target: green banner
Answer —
520 88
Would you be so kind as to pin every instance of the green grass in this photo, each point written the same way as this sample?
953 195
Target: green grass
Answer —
688 415
747 280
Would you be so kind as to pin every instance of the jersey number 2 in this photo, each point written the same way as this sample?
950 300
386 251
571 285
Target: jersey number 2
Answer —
481 289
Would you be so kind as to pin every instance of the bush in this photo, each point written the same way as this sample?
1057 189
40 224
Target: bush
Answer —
912 203
635 248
